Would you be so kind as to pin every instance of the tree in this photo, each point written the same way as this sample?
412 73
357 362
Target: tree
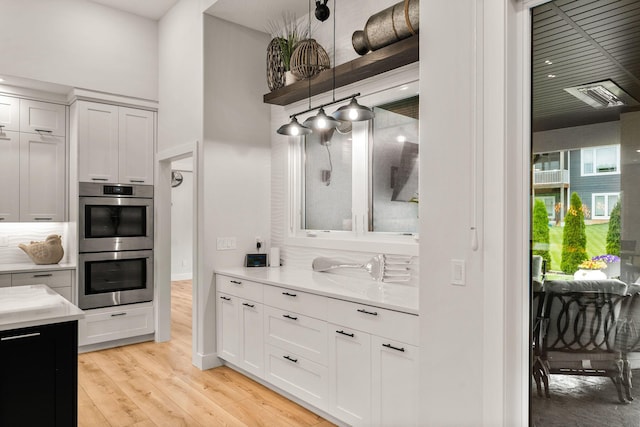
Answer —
541 231
574 237
613 233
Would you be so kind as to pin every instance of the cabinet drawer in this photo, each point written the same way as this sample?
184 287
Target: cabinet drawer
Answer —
297 333
296 301
377 321
113 323
42 117
239 287
5 280
53 278
295 374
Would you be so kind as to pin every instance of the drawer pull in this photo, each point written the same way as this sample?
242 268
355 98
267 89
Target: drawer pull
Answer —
373 313
43 275
118 314
237 282
291 359
100 179
43 219
1 219
345 333
289 295
137 180
248 305
289 317
393 348
225 298
18 337
44 130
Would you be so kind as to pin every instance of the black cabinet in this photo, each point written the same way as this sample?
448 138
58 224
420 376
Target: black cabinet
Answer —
39 376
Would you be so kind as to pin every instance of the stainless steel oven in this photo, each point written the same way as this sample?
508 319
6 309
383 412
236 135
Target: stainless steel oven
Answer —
115 278
115 217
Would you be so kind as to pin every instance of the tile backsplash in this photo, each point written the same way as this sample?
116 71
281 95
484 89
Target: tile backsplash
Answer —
12 234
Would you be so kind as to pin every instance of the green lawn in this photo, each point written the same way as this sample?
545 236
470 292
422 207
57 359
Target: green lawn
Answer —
596 243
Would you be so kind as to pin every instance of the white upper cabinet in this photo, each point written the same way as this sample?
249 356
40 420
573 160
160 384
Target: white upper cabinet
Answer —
115 144
9 176
136 146
9 113
42 177
42 117
98 142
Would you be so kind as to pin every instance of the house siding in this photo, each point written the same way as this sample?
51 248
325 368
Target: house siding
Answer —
586 186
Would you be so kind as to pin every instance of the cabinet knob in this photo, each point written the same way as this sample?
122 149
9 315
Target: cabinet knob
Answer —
44 130
393 348
137 180
118 314
291 359
99 179
372 313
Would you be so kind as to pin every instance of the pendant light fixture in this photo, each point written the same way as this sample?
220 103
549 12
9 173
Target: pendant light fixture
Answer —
293 128
321 121
353 112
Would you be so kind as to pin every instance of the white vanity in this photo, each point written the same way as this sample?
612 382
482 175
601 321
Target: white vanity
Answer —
342 346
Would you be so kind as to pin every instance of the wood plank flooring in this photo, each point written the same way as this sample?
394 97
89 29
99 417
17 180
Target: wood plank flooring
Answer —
155 384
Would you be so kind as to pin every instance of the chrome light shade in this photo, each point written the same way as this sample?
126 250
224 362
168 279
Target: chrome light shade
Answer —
293 128
321 121
353 112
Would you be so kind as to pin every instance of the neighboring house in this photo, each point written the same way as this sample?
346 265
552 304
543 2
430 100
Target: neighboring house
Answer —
592 172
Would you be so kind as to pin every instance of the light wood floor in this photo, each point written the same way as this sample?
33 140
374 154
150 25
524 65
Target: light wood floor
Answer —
155 384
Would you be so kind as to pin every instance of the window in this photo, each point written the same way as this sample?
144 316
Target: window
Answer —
359 182
550 204
602 204
600 160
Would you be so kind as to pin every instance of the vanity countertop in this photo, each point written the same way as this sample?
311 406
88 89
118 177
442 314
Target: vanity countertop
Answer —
393 296
28 267
34 305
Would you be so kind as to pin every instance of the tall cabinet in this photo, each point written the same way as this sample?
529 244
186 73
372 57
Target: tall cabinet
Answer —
116 143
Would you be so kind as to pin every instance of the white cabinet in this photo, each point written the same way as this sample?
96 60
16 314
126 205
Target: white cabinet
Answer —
10 176
350 375
228 327
115 144
5 280
42 177
9 114
61 281
114 323
395 369
42 117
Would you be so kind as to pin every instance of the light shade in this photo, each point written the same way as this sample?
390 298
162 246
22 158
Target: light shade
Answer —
353 112
293 128
321 121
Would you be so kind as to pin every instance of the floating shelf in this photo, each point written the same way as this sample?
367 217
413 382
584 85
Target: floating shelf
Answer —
373 63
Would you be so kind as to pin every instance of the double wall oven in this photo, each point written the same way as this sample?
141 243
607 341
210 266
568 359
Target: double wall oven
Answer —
115 244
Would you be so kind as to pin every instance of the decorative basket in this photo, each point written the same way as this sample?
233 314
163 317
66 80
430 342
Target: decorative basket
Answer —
308 59
275 65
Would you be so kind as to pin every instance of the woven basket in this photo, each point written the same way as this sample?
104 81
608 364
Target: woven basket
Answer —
308 59
275 65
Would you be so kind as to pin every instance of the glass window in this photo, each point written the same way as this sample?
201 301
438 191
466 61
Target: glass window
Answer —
603 204
600 160
550 204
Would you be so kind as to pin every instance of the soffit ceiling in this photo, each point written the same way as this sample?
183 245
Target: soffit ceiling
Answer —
586 41
257 14
152 9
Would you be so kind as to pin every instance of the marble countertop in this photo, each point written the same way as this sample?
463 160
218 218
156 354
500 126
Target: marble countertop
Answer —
34 305
28 267
393 296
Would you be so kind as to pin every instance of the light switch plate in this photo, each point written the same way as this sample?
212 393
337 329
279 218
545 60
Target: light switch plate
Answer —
225 243
4 241
458 272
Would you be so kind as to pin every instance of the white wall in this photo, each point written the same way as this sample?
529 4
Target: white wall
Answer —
236 165
27 232
81 44
607 133
182 222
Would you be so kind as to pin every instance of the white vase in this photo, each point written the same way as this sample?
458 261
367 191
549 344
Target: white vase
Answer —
289 78
589 275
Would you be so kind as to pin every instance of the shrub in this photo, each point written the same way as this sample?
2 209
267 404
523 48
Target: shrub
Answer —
613 233
540 231
574 237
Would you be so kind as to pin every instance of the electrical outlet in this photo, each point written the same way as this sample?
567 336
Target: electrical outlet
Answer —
225 243
4 241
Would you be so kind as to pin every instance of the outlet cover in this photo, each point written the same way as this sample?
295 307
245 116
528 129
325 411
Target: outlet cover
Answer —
4 241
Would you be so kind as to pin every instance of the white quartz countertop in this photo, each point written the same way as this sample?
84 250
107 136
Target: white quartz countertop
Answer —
28 267
393 296
34 305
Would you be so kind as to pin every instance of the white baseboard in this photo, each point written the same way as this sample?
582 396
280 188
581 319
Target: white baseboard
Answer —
181 276
206 361
115 343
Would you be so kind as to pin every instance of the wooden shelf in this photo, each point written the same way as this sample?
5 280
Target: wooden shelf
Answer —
373 63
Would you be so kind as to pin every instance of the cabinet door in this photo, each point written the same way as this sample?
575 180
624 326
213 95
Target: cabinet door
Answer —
42 117
97 142
350 375
251 334
9 113
228 327
395 372
136 146
9 177
42 177
5 280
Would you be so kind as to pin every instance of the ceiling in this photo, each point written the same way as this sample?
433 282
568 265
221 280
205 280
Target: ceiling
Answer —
152 9
586 41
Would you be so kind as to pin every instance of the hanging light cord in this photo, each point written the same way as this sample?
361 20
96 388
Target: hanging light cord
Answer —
330 164
333 93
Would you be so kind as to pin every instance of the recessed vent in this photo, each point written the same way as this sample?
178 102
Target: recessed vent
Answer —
604 94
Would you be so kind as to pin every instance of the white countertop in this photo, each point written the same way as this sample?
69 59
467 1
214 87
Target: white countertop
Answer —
34 305
28 267
393 296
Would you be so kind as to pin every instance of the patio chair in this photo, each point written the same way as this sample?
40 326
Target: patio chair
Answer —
579 329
